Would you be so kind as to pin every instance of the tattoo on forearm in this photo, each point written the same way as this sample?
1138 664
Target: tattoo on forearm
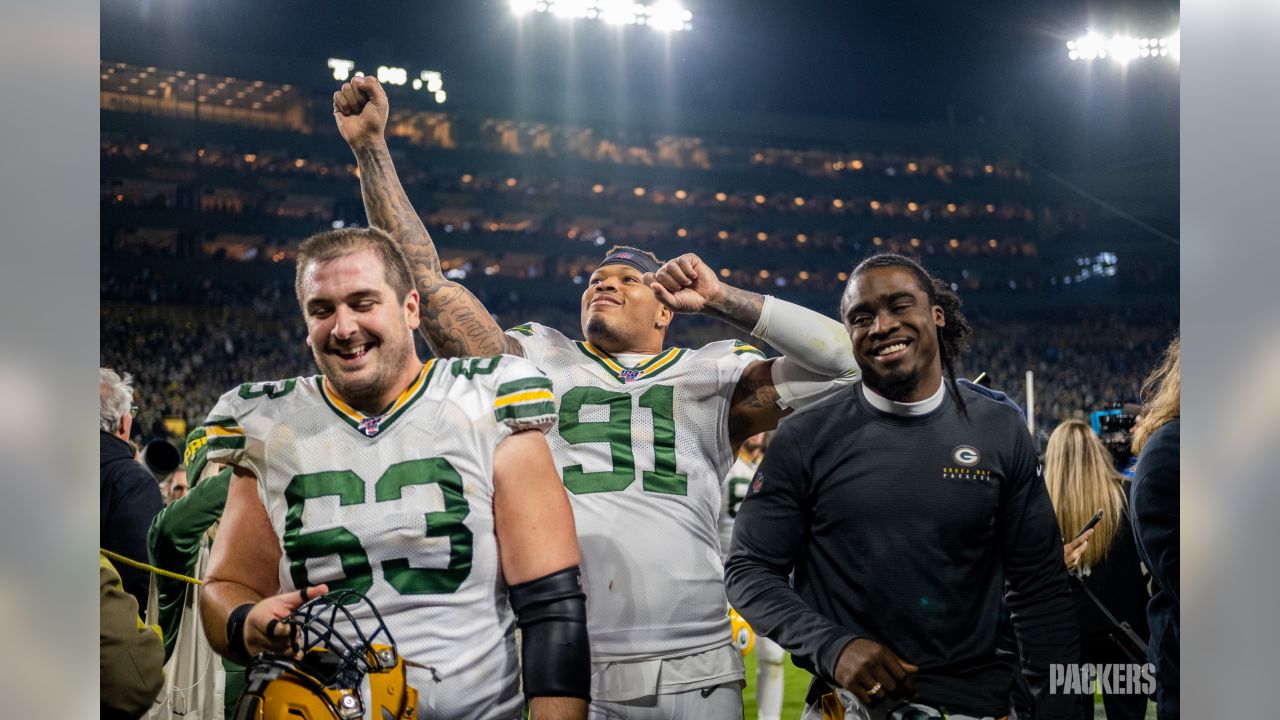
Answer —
755 406
454 322
738 307
388 207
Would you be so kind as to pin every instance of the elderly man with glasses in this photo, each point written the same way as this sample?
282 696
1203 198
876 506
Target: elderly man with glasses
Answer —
129 494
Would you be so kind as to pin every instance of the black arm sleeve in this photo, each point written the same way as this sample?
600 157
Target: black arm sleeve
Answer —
552 614
767 534
1039 598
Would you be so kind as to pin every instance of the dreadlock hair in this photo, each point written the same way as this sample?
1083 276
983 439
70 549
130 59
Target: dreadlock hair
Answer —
953 336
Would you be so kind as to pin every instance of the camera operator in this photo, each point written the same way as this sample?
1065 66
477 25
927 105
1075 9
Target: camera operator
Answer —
1115 428
1154 498
1082 480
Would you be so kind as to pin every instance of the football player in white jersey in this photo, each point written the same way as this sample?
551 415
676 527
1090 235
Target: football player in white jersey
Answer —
644 436
427 487
770 677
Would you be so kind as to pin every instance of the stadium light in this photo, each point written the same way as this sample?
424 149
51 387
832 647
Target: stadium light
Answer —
616 12
1123 48
663 15
572 8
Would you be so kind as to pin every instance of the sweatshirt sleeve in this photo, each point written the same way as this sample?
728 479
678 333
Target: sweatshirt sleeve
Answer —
767 534
130 654
174 545
1039 598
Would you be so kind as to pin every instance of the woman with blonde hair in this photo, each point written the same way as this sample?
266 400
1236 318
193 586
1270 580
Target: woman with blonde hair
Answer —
1155 500
1081 481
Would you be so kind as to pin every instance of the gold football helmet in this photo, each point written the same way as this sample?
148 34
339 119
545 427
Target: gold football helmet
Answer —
744 638
335 676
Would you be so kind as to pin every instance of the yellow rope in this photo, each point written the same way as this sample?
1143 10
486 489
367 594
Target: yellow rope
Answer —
143 566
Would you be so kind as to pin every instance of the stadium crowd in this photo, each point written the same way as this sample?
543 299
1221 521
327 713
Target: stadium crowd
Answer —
193 343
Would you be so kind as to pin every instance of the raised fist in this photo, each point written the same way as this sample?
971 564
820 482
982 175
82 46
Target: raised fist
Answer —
685 284
360 109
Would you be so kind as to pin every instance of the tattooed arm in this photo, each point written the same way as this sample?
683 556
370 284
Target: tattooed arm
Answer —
754 407
454 322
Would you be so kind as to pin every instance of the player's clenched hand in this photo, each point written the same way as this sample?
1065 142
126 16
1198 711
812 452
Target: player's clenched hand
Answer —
866 666
685 284
265 629
360 109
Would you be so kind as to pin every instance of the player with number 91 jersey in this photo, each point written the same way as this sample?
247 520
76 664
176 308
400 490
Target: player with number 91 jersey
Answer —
399 507
642 449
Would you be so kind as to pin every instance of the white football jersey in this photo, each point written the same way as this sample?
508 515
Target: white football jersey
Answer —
399 507
643 452
732 495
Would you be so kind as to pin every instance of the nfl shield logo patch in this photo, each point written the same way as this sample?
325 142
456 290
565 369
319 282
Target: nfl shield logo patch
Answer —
371 425
629 375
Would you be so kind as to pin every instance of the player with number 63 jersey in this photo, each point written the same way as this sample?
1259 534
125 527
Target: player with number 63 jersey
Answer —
428 488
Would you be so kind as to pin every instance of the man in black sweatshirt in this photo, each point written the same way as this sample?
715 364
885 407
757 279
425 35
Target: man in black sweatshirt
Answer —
906 513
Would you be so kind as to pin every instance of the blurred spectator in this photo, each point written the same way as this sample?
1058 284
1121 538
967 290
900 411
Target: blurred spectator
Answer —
129 496
175 487
130 654
180 539
1154 498
1081 481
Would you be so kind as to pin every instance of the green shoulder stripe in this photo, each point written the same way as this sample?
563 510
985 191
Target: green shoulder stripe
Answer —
524 411
532 383
525 329
745 349
234 442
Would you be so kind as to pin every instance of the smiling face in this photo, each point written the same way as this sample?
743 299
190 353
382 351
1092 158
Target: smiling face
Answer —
894 329
622 314
360 332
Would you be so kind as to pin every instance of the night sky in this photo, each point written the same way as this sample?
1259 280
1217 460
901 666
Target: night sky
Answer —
997 62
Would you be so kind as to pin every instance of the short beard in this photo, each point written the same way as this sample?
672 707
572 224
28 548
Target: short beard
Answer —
893 386
367 393
599 333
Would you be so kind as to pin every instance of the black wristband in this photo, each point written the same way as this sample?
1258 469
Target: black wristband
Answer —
235 630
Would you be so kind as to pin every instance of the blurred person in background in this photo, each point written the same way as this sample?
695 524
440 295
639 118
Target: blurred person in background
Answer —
175 487
1082 480
179 540
1154 499
770 677
129 496
130 653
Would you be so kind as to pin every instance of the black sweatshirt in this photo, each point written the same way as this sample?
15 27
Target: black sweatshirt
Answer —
903 530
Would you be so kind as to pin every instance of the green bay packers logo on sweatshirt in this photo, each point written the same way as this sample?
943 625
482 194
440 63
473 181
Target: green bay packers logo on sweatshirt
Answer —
965 457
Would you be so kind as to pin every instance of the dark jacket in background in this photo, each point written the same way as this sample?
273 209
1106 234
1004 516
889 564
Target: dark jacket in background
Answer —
130 499
1154 502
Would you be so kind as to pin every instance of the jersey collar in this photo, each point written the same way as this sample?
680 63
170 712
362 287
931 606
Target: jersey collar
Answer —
371 425
624 374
